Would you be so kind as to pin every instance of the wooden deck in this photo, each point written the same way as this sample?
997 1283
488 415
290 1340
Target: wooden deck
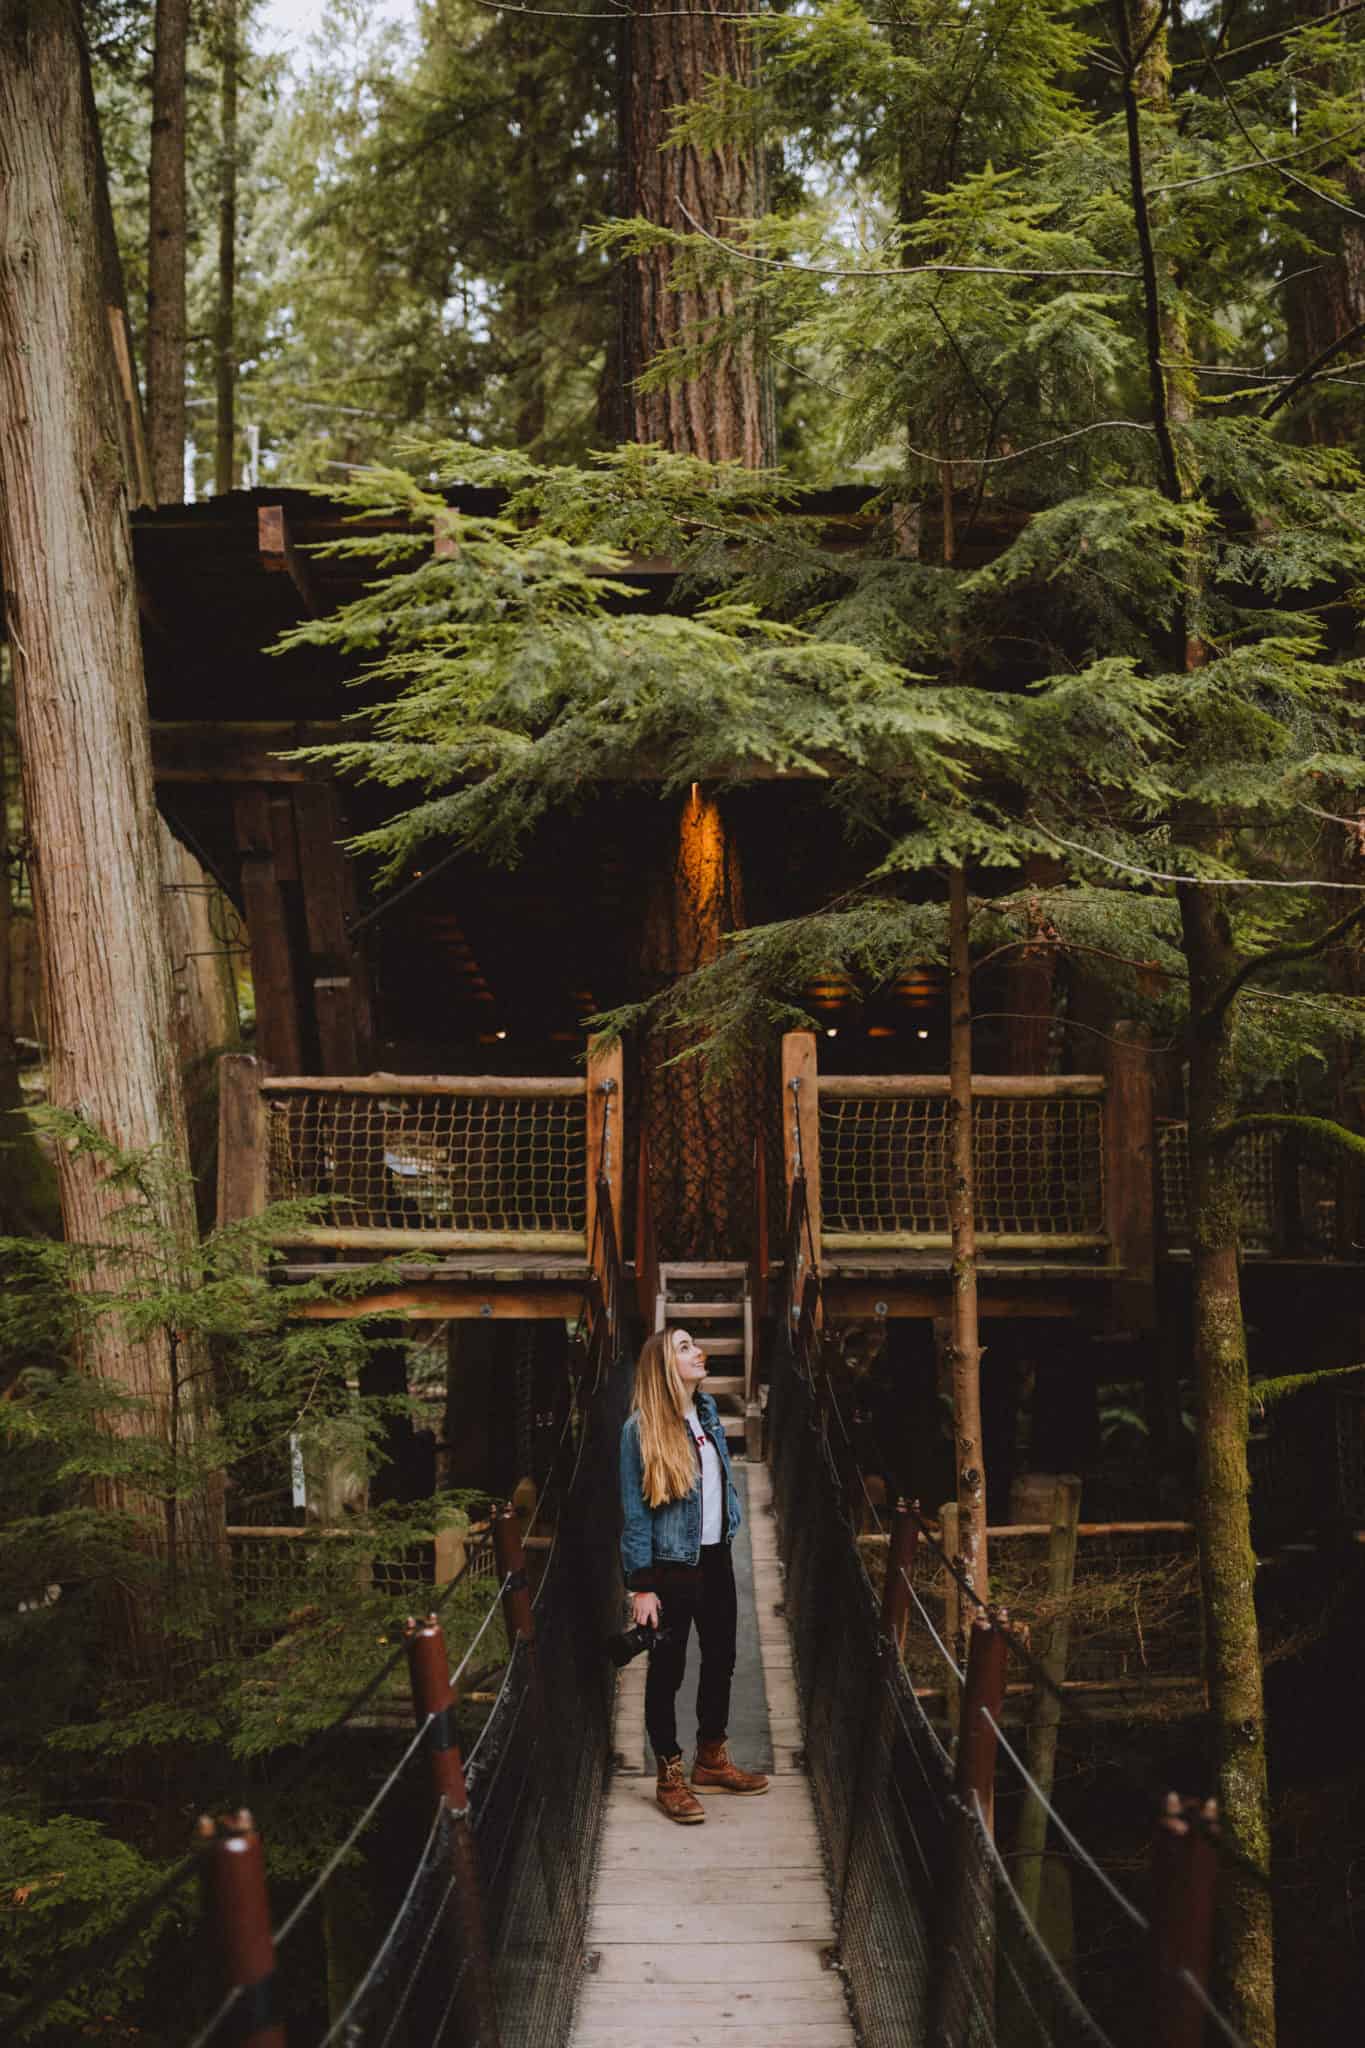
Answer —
722 1931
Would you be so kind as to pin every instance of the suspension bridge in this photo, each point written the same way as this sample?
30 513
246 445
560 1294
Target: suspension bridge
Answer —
536 1896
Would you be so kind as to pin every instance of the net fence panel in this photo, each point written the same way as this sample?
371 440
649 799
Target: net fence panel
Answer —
930 1932
886 1169
1286 1203
415 1162
538 1774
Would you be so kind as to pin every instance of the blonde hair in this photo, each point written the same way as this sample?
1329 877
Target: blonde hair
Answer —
661 1401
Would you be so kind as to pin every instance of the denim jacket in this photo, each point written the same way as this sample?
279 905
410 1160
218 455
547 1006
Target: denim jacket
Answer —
670 1534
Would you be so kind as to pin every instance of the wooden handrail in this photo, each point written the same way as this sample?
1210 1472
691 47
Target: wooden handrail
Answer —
933 1087
538 1087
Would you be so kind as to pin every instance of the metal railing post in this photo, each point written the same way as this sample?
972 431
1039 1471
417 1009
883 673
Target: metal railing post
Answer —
1184 1873
429 1671
239 1906
511 1561
982 1695
900 1573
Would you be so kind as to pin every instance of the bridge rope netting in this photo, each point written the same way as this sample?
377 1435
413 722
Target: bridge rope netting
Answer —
480 1867
935 1940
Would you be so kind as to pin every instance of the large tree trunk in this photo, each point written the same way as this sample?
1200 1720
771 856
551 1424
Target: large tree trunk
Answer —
726 414
1222 1512
701 1132
66 558
700 1135
1327 299
964 1336
166 317
225 323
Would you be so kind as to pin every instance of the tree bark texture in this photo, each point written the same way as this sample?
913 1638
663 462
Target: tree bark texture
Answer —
66 560
225 323
964 1342
166 317
1328 300
1222 1510
725 414
701 1132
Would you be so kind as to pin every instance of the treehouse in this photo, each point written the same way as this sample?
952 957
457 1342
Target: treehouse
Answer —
419 1053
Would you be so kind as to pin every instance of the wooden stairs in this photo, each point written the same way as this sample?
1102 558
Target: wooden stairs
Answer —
711 1299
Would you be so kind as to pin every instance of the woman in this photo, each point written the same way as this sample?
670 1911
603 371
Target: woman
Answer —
681 1513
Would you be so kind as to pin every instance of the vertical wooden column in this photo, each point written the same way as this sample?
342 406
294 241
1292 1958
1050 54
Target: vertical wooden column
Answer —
1030 1840
269 857
339 982
606 1150
1130 1176
243 1161
801 1125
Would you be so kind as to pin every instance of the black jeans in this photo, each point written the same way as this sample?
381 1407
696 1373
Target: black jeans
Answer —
705 1594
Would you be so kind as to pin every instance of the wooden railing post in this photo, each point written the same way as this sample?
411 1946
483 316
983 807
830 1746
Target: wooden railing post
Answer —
1184 1872
900 1574
429 1671
239 1905
606 1150
801 1133
954 1633
243 1157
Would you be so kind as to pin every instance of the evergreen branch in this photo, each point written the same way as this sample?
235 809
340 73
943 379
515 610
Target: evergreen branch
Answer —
1284 956
902 270
1255 163
1319 1136
1287 177
1034 447
1310 370
1129 867
1277 35
1142 222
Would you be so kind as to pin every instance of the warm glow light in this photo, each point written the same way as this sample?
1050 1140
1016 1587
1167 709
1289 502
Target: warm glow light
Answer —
831 1031
499 1034
921 1034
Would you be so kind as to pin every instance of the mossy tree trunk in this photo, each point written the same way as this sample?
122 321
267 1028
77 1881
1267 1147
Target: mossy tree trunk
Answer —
964 1337
81 709
1222 1504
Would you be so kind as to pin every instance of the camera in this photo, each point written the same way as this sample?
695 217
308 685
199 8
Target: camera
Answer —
632 1641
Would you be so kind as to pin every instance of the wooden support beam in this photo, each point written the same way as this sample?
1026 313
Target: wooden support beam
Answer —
605 1133
436 1304
279 555
201 751
847 1300
242 1157
411 1243
800 1110
274 970
339 983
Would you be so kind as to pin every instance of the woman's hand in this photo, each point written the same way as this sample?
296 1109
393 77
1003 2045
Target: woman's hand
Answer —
644 1609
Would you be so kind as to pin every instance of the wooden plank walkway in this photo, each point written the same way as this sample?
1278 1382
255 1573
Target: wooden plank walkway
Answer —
721 1931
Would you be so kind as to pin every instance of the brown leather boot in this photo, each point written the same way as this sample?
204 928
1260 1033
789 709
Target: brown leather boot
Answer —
714 1772
673 1796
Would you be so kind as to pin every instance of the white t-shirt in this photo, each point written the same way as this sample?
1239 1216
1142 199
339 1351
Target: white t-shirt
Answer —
711 1481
